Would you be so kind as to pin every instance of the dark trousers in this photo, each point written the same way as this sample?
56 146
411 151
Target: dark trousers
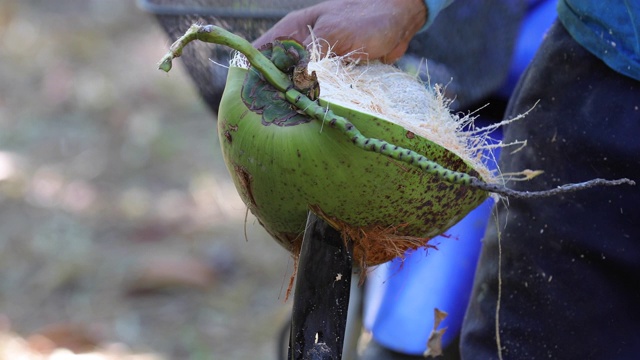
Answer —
571 263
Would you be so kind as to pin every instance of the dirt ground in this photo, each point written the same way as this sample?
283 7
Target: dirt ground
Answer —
119 225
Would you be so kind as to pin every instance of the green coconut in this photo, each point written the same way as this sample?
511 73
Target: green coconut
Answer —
383 204
387 169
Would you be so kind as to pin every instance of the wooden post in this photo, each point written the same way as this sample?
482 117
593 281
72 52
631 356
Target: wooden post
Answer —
321 297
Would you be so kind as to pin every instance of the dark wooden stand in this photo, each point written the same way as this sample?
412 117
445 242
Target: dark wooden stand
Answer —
321 297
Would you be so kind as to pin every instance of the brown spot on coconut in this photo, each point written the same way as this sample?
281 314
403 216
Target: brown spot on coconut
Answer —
242 179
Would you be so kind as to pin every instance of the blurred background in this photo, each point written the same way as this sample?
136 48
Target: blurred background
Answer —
120 229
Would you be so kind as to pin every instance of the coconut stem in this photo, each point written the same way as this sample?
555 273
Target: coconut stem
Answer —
567 188
410 157
399 153
217 35
282 82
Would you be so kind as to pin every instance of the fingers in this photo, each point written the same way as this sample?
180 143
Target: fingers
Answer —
359 29
293 26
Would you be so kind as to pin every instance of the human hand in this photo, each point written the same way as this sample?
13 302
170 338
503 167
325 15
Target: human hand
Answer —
363 29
